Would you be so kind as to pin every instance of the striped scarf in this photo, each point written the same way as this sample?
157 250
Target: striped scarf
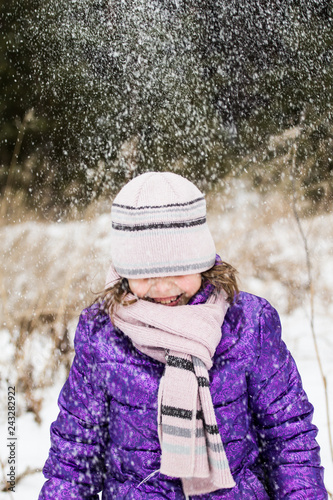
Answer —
185 341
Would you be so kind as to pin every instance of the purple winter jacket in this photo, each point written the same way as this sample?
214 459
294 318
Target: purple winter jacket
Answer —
105 437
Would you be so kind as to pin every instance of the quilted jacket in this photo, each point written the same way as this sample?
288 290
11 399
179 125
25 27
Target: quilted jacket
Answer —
105 437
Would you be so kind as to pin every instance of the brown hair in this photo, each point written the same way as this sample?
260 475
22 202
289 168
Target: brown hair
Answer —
222 276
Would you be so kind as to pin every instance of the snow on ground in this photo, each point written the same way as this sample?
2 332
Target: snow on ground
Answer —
48 266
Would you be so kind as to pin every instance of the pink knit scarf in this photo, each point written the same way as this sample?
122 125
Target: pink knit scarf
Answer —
185 339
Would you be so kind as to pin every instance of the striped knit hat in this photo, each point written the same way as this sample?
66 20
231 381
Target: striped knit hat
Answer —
159 228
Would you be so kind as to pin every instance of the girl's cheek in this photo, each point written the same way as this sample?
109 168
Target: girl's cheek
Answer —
138 287
190 284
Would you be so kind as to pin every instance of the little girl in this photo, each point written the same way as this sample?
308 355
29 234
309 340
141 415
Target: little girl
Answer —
181 386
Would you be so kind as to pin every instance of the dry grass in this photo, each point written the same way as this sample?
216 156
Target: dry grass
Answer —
48 273
258 234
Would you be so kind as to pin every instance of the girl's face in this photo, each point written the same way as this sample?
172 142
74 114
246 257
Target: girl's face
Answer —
168 290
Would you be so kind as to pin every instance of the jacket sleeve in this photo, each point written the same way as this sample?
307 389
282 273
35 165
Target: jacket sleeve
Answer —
282 416
75 466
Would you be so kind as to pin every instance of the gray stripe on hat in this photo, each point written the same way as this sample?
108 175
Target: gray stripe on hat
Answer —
158 225
169 205
166 269
157 233
151 211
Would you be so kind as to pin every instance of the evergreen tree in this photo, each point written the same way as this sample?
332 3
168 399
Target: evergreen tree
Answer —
119 87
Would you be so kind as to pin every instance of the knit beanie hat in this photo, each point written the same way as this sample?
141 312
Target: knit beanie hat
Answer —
159 228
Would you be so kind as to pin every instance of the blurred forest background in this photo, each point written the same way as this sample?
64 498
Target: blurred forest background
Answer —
94 92
237 96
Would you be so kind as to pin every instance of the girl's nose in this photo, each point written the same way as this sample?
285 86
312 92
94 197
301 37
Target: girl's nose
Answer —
162 285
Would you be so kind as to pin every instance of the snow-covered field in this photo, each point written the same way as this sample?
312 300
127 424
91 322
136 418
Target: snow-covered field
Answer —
51 268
